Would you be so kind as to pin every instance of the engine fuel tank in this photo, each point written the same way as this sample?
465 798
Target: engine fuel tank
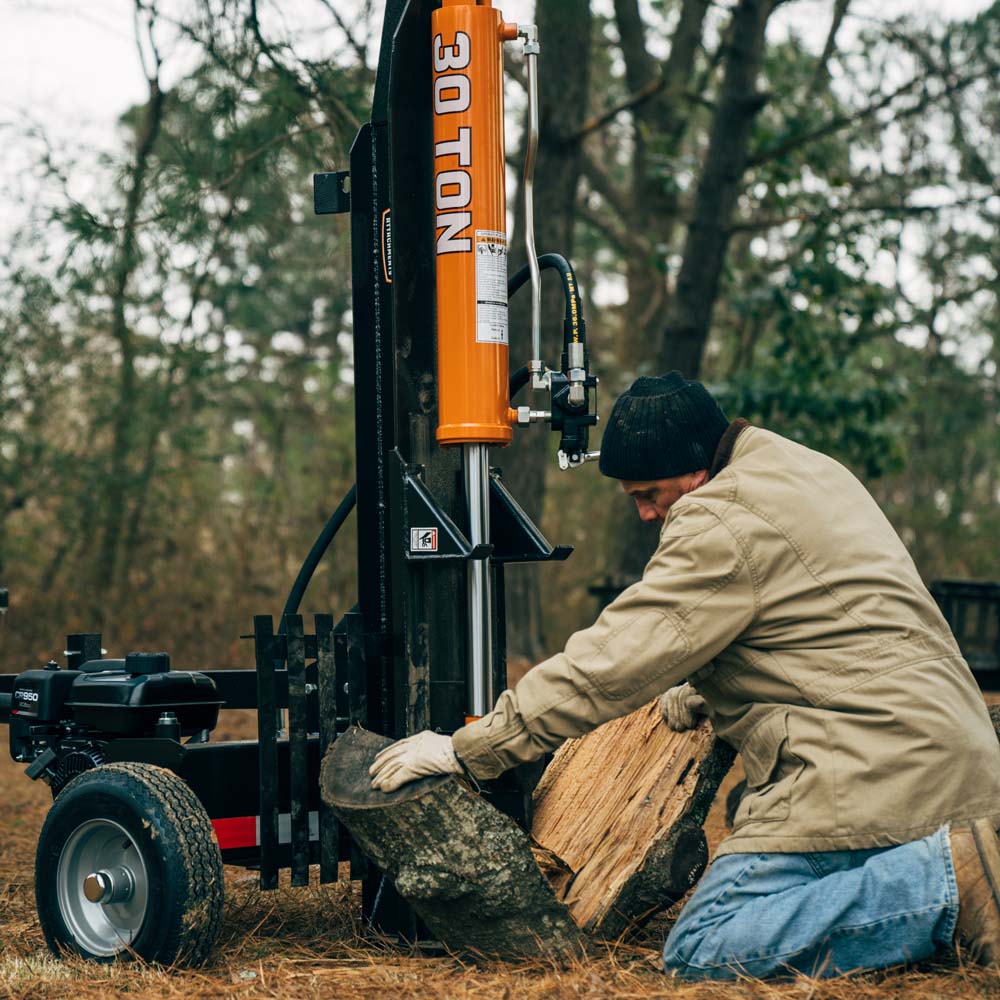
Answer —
121 704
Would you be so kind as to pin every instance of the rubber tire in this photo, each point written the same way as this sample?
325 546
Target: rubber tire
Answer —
170 827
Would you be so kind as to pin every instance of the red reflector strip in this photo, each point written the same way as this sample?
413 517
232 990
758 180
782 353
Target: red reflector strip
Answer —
236 831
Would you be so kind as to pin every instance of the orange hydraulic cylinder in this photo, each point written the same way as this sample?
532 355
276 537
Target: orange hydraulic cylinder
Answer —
471 231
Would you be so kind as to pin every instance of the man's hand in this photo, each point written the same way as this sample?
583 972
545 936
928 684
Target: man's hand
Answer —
415 757
681 707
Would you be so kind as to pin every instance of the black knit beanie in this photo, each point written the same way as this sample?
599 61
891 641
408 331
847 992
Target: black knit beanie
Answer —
661 427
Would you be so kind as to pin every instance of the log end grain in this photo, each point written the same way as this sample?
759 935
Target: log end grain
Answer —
344 776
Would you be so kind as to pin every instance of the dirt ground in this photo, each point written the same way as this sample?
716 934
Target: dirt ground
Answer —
306 944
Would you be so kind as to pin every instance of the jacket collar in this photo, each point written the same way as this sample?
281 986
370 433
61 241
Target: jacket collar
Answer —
727 442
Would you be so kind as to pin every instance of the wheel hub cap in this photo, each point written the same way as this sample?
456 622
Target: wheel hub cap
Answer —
114 886
103 887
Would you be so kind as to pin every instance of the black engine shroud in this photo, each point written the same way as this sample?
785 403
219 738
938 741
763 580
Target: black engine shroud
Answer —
73 711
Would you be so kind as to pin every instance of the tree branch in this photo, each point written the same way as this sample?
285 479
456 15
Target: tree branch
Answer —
598 121
822 73
889 208
840 122
623 238
640 66
601 182
311 91
361 51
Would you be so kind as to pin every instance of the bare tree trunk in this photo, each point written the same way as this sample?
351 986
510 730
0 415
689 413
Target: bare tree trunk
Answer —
124 419
689 311
659 124
689 314
564 32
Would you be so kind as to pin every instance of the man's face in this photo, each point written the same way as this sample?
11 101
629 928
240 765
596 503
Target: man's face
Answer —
654 497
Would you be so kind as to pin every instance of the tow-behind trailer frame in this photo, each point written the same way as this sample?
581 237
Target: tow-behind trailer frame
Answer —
271 816
374 666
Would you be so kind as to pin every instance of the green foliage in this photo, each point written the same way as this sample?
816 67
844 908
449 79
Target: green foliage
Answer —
857 313
231 370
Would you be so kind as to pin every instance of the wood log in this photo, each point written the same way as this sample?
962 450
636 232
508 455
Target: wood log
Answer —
619 815
466 868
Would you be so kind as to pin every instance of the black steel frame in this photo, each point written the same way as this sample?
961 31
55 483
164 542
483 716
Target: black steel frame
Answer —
373 668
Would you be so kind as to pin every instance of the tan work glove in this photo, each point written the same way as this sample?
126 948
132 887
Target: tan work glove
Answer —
681 706
415 757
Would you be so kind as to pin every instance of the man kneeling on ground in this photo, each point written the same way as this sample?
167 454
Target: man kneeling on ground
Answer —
784 599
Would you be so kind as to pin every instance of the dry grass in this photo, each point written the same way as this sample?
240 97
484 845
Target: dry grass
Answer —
305 944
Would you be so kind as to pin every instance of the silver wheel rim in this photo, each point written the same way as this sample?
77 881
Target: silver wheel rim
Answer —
103 929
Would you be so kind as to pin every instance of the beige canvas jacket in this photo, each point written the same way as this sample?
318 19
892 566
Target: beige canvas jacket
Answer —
782 592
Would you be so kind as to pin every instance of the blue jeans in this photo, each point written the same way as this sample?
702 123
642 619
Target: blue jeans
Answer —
822 914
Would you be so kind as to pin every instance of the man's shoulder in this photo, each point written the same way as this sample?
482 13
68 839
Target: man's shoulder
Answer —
796 490
758 444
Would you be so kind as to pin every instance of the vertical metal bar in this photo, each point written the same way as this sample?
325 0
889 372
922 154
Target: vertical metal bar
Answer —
357 676
326 679
349 649
82 647
298 759
500 636
342 668
480 602
342 654
267 749
529 33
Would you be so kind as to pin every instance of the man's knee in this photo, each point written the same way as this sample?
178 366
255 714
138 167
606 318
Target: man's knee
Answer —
686 962
684 951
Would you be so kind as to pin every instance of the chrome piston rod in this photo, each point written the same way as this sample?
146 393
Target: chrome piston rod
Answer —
479 596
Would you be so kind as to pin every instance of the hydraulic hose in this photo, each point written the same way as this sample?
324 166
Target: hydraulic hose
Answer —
317 552
574 327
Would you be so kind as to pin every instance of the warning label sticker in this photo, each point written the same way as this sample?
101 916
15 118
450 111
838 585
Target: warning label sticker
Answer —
423 539
491 287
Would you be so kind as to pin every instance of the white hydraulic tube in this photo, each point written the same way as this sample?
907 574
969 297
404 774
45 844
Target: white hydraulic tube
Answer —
479 591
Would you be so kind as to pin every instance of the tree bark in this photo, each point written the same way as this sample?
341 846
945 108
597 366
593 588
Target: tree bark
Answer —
620 814
689 310
689 313
564 32
124 420
659 123
466 868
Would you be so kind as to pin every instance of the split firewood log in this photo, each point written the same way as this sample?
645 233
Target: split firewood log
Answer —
619 814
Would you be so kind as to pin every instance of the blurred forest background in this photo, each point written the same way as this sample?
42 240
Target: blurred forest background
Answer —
808 221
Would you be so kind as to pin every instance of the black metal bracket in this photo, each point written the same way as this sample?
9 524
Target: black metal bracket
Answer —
82 647
150 750
428 532
515 536
573 422
332 192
